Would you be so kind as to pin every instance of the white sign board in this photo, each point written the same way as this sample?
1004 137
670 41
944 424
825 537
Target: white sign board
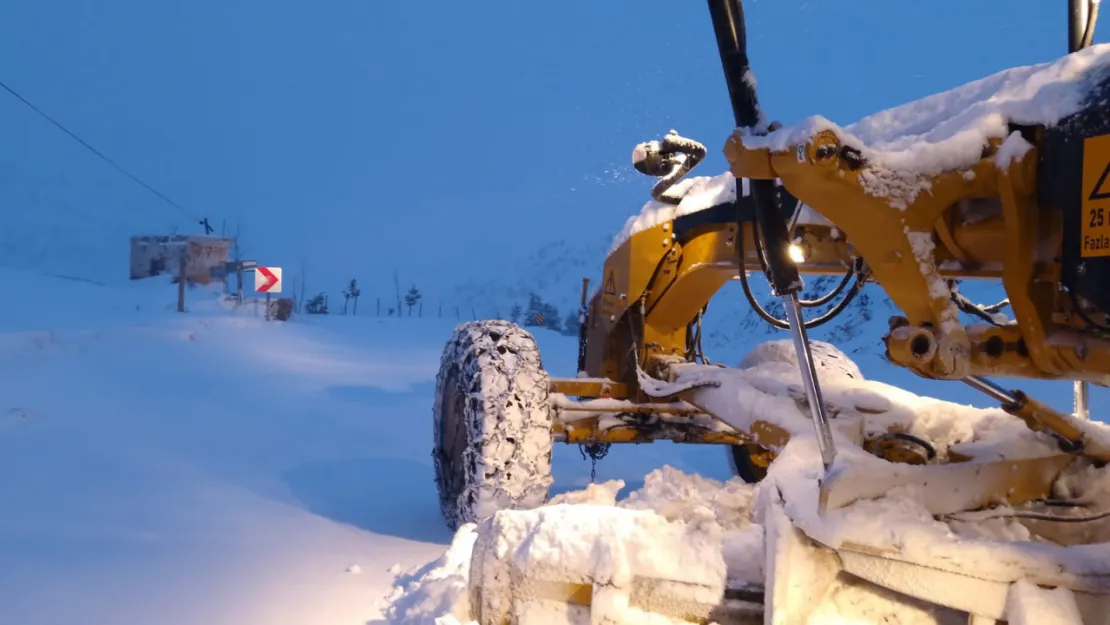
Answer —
267 279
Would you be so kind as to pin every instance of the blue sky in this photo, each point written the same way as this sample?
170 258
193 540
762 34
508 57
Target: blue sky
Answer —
448 138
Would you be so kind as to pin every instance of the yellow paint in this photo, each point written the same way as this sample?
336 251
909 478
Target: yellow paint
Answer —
1094 240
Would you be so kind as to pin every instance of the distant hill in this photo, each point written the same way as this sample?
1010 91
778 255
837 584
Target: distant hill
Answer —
555 272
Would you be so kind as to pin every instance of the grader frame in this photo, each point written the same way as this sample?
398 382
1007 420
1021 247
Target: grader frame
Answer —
986 221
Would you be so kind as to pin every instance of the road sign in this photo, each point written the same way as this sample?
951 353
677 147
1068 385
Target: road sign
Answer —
267 279
228 268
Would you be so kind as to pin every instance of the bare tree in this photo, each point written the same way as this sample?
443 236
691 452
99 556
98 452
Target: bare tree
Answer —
397 287
350 294
301 284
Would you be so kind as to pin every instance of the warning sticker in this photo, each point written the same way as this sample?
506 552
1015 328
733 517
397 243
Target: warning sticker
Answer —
1095 226
610 284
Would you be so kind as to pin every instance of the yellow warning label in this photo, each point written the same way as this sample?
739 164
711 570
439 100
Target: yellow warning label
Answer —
1095 228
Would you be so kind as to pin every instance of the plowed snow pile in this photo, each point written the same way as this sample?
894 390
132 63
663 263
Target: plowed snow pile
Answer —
708 535
678 526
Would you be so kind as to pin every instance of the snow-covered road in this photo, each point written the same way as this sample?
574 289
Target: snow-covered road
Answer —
175 469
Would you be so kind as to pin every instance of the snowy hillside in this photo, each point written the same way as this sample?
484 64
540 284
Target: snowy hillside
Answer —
48 229
554 272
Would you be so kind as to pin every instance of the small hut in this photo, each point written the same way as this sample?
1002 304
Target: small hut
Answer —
158 255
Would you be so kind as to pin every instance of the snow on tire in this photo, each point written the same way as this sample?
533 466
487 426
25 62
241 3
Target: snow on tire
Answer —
493 437
827 359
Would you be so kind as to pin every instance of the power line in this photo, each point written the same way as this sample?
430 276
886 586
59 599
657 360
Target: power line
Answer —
101 154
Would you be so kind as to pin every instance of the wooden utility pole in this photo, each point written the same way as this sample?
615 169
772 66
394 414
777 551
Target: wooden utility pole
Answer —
181 282
397 288
239 283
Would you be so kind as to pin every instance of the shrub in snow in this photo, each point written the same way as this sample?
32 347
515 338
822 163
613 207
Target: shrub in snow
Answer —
318 305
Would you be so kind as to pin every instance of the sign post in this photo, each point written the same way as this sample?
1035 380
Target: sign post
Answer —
181 284
267 280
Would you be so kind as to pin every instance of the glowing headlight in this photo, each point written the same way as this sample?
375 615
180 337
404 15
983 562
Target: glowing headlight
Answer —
796 253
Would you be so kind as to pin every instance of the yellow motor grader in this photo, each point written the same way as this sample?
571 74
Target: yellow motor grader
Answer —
1030 208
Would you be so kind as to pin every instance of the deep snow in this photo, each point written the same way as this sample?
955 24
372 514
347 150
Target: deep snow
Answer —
207 467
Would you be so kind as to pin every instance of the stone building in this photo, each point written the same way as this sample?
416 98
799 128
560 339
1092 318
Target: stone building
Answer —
158 255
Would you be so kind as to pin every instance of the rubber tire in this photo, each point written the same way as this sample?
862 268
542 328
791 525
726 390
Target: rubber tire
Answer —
739 458
492 423
828 360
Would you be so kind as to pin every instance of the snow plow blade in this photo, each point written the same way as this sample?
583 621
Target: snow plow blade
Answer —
596 584
513 579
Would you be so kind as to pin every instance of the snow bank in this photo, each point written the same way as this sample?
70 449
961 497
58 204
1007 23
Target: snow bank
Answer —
680 526
436 594
689 530
683 527
947 131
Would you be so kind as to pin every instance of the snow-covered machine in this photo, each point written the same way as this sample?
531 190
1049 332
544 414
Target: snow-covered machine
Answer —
1007 179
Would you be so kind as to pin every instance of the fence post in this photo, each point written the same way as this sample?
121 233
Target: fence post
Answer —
181 283
420 312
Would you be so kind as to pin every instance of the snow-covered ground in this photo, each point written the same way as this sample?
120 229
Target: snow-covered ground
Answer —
207 467
158 467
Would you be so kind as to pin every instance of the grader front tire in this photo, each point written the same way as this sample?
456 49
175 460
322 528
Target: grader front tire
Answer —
750 462
493 436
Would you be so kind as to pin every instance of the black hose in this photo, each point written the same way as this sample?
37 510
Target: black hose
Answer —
1094 325
805 303
669 160
781 324
1035 516
828 297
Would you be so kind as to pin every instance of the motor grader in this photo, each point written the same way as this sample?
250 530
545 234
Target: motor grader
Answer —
1027 211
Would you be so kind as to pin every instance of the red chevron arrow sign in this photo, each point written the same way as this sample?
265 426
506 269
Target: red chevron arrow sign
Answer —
267 279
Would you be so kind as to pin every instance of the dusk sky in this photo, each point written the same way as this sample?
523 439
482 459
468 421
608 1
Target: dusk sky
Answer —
447 138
